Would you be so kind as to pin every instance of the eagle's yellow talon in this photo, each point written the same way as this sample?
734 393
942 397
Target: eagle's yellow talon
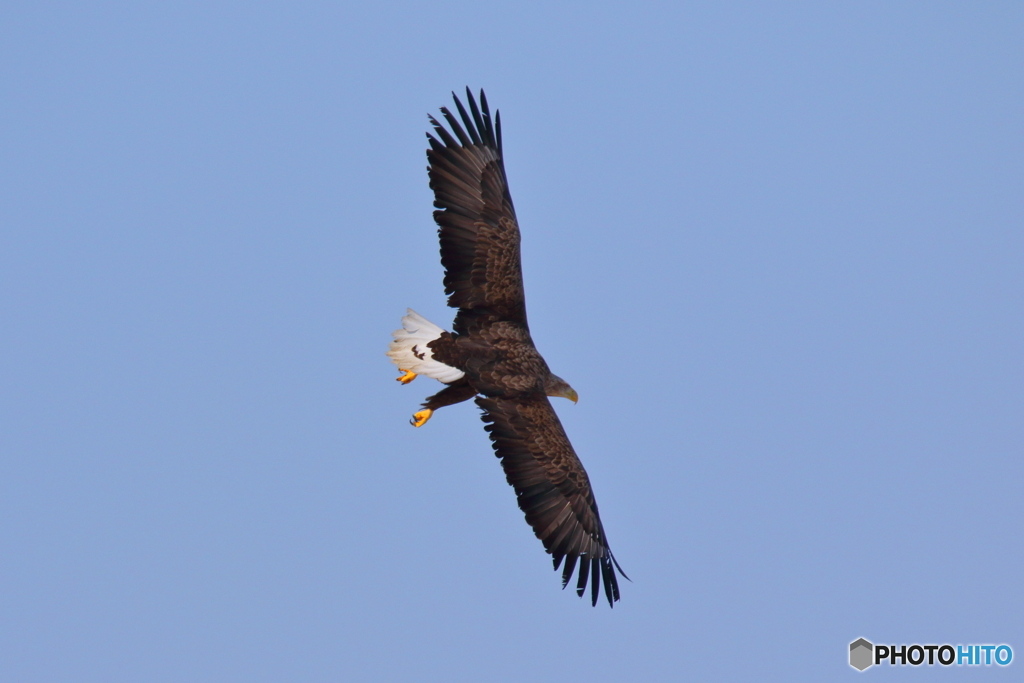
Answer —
407 377
419 419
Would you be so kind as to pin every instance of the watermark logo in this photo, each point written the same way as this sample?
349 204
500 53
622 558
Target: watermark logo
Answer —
863 654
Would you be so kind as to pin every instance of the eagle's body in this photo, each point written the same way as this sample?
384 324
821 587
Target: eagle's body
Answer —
490 355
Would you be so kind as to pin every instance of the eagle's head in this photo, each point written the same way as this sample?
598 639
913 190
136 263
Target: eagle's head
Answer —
556 386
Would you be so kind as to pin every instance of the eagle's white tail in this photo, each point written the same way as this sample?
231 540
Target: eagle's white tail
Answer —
409 350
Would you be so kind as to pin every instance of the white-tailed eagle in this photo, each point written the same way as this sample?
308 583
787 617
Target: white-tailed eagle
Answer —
490 357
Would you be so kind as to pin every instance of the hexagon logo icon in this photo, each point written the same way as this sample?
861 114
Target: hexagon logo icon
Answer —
861 654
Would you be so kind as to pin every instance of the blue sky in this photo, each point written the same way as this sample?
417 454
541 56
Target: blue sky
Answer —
778 248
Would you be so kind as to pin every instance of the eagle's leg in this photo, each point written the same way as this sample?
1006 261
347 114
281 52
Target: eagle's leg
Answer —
407 377
456 392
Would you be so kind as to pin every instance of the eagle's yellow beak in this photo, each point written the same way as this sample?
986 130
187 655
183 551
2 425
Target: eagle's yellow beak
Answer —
572 395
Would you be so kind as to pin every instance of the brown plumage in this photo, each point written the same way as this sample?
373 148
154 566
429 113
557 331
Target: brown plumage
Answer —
490 350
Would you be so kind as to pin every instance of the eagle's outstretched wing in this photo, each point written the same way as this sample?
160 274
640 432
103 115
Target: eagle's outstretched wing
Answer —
475 217
552 489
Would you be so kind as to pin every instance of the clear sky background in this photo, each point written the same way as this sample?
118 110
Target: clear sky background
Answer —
778 248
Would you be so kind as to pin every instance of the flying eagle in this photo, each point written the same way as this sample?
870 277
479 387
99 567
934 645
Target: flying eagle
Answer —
490 356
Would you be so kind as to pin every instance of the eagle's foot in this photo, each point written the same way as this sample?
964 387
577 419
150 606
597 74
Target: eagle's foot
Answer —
419 419
407 377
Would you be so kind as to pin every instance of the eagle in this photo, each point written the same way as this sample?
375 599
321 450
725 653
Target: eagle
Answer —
489 355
